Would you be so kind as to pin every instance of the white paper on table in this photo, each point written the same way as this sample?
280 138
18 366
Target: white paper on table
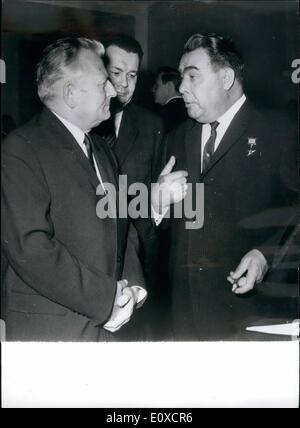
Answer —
288 329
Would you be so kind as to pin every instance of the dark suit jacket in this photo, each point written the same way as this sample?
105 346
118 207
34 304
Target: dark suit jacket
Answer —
138 150
139 143
240 187
63 260
174 113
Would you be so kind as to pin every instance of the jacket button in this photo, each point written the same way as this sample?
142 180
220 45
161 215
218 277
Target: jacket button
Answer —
119 259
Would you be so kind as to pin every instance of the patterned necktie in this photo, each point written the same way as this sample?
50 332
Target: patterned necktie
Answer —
88 144
210 146
111 137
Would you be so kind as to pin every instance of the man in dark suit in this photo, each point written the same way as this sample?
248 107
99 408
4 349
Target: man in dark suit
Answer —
246 160
72 275
135 135
167 96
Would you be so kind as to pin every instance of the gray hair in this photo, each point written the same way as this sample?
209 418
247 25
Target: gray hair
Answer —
56 57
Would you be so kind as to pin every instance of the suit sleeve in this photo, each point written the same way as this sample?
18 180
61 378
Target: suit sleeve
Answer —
158 151
30 245
132 270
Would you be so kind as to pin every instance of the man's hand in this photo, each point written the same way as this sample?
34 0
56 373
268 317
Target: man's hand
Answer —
170 188
123 307
250 271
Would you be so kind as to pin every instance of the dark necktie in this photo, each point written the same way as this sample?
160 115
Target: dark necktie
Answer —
88 144
111 137
115 108
210 146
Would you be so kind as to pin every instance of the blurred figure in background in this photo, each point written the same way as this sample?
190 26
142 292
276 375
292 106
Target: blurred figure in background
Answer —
135 135
166 94
7 125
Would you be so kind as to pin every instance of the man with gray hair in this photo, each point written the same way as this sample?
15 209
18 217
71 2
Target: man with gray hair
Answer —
71 275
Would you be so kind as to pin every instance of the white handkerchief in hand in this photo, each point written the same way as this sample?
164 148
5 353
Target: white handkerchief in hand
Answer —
121 300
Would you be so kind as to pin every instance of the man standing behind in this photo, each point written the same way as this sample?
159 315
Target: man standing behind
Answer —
247 161
71 275
167 96
134 134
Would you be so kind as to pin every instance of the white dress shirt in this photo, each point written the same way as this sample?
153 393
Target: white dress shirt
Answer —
118 119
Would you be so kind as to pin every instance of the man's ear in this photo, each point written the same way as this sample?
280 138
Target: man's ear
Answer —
228 76
171 87
70 94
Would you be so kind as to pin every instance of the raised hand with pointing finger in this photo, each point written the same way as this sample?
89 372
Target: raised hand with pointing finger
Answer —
170 188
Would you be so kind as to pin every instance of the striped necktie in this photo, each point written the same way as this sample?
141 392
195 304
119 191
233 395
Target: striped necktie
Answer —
210 146
111 137
89 148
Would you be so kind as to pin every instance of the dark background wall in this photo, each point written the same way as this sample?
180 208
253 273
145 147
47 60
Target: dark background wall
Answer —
266 32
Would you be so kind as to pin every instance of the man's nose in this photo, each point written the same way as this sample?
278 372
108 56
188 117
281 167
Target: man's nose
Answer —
182 87
124 81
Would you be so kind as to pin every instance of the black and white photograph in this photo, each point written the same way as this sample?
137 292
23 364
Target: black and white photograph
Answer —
150 204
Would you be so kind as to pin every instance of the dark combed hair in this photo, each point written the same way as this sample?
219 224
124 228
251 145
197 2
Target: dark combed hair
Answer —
222 51
56 58
169 74
127 43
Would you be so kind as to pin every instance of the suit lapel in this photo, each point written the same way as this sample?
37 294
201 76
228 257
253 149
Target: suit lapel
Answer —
193 150
82 160
65 140
106 163
235 130
127 135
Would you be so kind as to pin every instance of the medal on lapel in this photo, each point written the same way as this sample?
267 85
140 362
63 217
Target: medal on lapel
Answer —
251 146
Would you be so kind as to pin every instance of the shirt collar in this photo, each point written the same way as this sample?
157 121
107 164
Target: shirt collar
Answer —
77 133
227 117
173 98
